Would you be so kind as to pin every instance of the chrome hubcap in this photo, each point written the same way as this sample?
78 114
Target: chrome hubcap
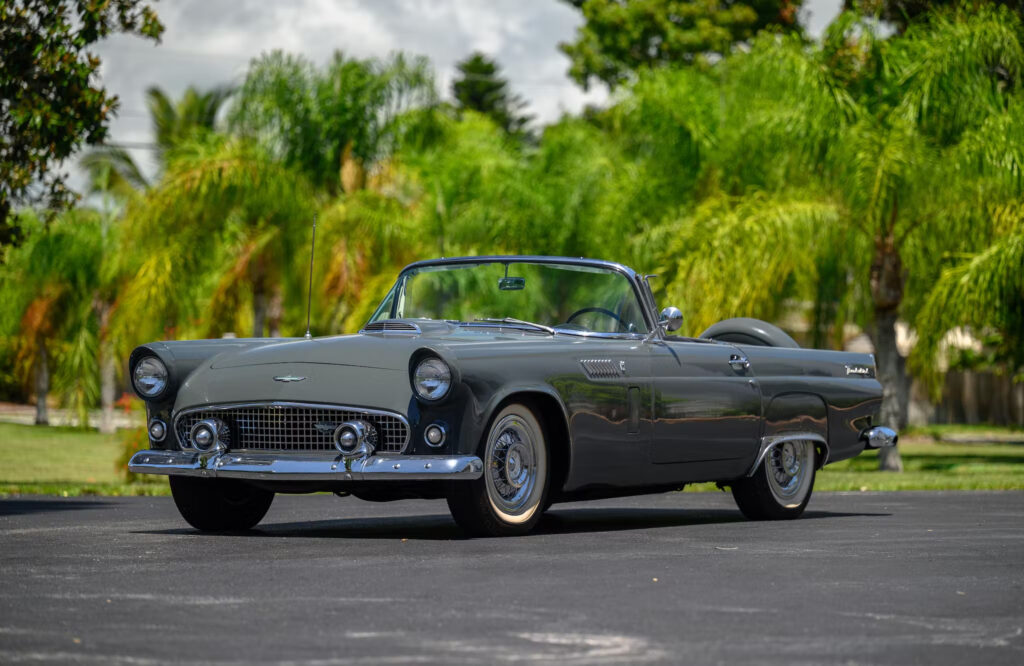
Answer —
516 471
511 465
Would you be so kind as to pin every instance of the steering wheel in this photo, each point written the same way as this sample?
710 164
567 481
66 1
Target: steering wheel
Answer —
604 311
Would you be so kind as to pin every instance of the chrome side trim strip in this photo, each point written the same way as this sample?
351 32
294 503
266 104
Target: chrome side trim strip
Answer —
273 467
768 443
304 405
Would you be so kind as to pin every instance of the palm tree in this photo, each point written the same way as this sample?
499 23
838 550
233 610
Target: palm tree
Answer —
117 178
222 226
50 284
112 170
330 124
867 156
981 291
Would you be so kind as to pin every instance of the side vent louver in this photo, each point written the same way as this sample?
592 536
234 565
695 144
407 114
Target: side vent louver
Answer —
391 326
600 368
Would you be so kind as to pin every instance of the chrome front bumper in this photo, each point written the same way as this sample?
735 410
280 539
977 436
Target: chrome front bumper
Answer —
304 467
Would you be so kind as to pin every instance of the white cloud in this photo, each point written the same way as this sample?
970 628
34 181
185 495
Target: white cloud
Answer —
210 42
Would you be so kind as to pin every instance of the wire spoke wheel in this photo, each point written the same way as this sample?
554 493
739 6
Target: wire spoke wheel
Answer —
787 468
508 498
781 486
511 465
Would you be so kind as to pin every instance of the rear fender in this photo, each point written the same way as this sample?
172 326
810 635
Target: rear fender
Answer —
792 414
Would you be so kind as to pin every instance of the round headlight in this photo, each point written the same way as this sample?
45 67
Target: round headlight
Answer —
432 378
150 377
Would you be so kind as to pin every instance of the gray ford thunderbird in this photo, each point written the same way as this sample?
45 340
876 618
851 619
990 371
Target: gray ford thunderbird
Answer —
503 385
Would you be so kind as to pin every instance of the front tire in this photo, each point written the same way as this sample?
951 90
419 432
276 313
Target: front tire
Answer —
781 486
219 505
509 498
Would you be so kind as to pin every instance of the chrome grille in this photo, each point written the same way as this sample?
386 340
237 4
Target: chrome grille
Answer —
292 426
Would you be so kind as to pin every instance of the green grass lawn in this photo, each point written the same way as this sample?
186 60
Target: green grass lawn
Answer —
929 465
932 466
66 461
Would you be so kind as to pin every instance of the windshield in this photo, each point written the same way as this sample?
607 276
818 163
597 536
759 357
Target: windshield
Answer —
571 298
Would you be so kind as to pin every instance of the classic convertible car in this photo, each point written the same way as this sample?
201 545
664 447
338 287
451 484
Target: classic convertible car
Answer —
503 385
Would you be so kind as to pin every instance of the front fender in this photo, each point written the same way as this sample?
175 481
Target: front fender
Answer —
182 358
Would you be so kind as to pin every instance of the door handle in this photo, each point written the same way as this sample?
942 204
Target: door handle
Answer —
739 362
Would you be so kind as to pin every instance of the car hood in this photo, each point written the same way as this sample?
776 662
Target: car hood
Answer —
387 351
365 351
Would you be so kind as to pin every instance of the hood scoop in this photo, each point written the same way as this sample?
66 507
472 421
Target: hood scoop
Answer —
392 326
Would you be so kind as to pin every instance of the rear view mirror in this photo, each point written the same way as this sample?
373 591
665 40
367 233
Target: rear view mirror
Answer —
512 283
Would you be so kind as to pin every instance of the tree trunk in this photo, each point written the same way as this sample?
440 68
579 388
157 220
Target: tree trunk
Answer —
892 374
1017 400
8 233
970 396
108 389
259 310
108 367
275 311
42 384
887 295
352 175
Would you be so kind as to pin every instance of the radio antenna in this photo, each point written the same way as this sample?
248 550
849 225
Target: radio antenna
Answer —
309 293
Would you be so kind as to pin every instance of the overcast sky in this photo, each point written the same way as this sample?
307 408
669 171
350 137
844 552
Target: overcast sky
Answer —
210 42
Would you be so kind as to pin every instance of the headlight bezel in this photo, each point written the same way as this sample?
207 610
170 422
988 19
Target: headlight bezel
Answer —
147 361
438 370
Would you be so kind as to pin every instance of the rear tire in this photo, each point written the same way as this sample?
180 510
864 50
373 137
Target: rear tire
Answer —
510 496
782 484
219 505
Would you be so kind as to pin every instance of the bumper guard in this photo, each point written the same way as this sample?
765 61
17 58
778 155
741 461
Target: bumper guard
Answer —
879 437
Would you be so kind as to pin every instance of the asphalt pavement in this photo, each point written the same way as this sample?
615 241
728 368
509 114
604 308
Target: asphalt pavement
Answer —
863 578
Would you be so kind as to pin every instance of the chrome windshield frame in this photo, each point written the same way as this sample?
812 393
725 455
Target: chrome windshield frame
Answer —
634 278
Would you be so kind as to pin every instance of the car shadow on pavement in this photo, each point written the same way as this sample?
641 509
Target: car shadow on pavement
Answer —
556 521
567 521
21 507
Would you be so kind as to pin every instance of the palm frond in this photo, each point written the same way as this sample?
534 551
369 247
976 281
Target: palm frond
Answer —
981 292
740 257
955 66
113 170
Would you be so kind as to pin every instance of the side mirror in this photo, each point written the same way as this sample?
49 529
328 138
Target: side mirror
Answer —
671 319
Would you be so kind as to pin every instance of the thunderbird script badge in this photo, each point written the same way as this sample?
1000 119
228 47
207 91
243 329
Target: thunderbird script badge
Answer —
288 379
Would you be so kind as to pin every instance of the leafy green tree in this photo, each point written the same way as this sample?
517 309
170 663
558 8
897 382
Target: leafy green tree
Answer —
869 171
982 292
112 170
50 285
115 176
901 13
480 87
330 124
50 104
469 189
619 37
222 229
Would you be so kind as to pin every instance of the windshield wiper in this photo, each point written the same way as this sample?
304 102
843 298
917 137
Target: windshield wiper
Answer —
520 322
